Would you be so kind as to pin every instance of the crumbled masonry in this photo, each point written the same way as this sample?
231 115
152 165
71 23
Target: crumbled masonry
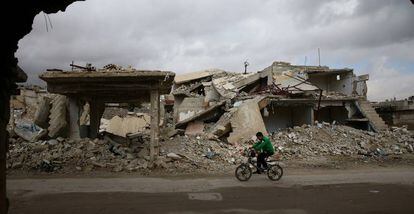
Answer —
202 125
186 154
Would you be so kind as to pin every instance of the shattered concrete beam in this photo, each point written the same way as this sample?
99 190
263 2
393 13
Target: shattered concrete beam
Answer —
200 115
183 78
247 120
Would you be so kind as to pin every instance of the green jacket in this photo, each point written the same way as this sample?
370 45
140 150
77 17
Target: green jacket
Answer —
264 145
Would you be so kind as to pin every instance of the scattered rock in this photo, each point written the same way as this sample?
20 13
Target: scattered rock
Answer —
173 156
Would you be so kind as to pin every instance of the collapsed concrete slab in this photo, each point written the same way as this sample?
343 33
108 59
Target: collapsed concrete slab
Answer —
58 125
188 77
247 121
42 113
29 131
223 126
211 113
231 85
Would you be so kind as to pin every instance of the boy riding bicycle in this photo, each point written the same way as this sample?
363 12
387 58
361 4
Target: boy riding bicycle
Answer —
265 149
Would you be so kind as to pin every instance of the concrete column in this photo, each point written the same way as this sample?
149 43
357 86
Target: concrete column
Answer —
312 115
74 132
155 121
96 110
163 119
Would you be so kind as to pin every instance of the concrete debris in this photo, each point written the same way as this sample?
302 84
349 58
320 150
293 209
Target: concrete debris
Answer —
29 131
54 155
246 121
331 140
112 67
182 154
195 128
173 156
206 122
129 124
175 132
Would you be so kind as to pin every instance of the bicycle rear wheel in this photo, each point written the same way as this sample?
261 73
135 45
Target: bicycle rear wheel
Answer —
275 172
243 172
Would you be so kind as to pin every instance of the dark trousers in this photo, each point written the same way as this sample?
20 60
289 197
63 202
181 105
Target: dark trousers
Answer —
261 159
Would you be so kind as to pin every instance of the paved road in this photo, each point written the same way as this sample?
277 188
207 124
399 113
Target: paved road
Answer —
374 191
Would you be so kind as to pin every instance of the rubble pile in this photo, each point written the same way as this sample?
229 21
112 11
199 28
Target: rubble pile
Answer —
326 139
188 154
188 89
83 155
62 155
200 154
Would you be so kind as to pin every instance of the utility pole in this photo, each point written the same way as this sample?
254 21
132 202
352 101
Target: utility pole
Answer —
246 63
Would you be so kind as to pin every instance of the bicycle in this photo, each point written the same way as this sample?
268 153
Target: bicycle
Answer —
245 170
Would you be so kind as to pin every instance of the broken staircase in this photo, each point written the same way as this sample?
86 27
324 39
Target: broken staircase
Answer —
369 112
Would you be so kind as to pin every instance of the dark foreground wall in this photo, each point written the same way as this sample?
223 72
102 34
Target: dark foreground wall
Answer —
17 19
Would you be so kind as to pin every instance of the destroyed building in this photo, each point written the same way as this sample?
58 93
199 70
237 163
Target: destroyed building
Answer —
84 93
235 105
114 119
397 112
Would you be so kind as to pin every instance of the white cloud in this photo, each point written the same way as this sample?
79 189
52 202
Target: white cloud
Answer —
388 83
186 35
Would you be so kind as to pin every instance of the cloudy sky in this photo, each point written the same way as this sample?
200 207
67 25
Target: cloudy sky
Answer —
371 36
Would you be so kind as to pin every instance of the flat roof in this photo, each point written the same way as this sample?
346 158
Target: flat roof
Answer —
109 85
187 77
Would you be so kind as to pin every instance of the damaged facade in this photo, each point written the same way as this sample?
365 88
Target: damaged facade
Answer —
397 112
114 119
77 100
235 106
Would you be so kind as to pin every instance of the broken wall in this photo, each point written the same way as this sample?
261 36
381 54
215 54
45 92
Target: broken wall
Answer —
360 85
281 117
330 83
28 100
189 107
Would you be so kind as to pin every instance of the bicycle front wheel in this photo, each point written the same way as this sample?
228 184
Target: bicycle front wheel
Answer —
275 172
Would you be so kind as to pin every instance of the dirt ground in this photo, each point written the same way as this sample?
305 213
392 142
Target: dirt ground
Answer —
364 190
